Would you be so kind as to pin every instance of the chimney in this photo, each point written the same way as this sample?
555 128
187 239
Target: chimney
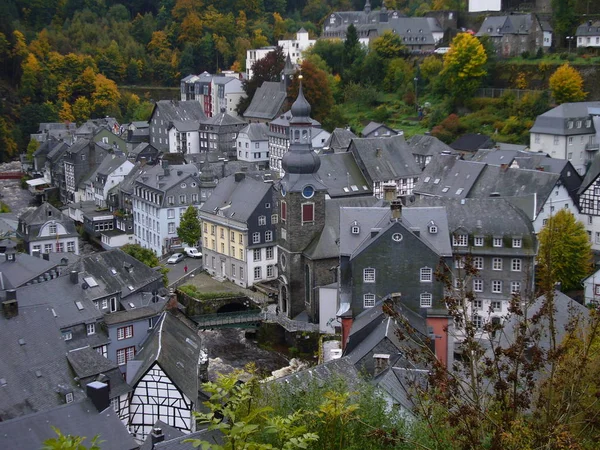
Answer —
377 152
203 367
239 176
74 276
382 362
46 256
143 161
389 193
156 436
396 207
35 253
10 306
375 232
11 257
98 393
103 379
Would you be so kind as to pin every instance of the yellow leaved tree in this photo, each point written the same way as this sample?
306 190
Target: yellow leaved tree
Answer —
566 85
464 66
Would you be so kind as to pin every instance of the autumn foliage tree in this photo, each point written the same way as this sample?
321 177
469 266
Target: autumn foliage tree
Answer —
464 66
316 90
565 253
566 85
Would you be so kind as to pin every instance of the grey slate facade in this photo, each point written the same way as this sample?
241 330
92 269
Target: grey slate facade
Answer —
165 113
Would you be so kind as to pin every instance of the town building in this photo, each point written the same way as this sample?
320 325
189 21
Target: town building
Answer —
47 230
269 99
424 148
253 143
226 92
516 33
219 134
165 114
338 141
80 161
588 34
238 224
296 47
568 131
254 55
485 5
589 203
160 196
184 137
167 370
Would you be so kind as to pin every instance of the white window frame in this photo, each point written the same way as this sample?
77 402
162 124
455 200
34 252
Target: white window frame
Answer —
256 238
478 241
460 240
369 275
477 285
368 300
257 273
426 275
268 236
517 242
497 286
262 220
269 253
516 265
497 264
497 242
256 254
125 332
478 262
426 300
90 328
515 287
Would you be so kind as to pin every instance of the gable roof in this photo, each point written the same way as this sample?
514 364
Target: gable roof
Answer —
326 244
32 374
77 419
154 177
471 142
384 159
267 101
25 268
365 219
448 176
339 140
176 110
176 347
236 199
223 119
43 214
88 364
555 121
373 126
256 131
591 175
340 173
427 145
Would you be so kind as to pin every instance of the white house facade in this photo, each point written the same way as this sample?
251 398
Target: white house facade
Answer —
226 92
254 55
184 137
296 47
253 143
558 199
485 5
588 34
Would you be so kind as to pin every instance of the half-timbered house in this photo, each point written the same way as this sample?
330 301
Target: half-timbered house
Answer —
166 376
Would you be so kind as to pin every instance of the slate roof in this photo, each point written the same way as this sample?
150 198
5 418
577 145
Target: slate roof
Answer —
87 364
57 151
412 30
77 419
168 431
43 214
267 101
223 119
43 354
45 147
373 126
129 180
449 173
365 218
471 142
384 159
326 244
175 346
556 120
25 268
342 176
591 175
340 368
185 125
400 383
8 224
427 145
236 199
176 110
211 436
154 177
568 314
339 140
147 309
109 271
497 26
497 216
256 131
372 326
589 28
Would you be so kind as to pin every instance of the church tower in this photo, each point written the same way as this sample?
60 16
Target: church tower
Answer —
301 198
287 74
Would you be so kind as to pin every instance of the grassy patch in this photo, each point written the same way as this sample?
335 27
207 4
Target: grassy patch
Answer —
193 291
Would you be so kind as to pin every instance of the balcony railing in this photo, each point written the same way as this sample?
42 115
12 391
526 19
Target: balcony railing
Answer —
592 147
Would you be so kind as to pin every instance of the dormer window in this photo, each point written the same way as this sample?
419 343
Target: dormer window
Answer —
355 229
433 229
69 397
570 124
460 240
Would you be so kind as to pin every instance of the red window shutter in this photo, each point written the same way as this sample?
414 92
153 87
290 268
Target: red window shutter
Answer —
308 212
283 211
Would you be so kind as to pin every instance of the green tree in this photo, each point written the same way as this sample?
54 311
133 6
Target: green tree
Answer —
566 85
564 18
146 256
316 90
565 253
68 442
31 149
464 66
189 229
234 411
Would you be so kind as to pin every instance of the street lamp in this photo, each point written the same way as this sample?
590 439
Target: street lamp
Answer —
569 39
416 94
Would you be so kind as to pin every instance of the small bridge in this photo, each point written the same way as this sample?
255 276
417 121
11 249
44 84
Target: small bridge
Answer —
251 319
11 175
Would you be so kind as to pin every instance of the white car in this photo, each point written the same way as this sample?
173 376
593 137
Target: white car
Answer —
441 50
175 258
192 252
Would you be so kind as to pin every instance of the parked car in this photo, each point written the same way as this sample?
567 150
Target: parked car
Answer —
175 258
192 252
441 50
